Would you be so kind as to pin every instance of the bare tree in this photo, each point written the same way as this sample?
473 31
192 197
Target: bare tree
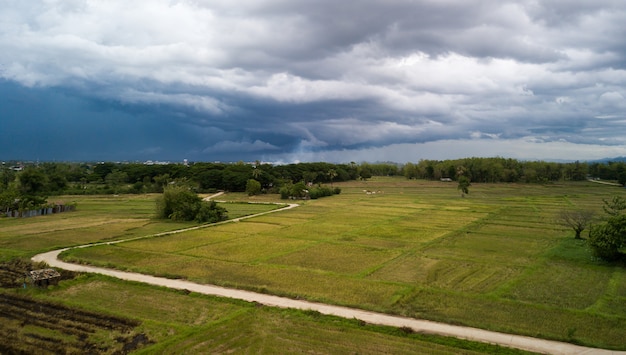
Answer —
578 220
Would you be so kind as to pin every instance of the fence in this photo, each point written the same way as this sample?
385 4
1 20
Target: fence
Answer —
41 211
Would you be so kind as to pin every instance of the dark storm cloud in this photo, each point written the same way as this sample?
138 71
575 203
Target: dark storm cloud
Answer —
278 79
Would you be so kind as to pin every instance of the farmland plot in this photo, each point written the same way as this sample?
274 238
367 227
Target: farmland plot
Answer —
488 260
35 326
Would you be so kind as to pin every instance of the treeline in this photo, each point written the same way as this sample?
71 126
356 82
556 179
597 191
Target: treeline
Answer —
109 178
511 170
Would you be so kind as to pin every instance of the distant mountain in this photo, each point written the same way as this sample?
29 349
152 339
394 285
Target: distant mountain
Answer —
606 160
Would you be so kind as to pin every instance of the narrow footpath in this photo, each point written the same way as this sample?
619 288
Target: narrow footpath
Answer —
418 325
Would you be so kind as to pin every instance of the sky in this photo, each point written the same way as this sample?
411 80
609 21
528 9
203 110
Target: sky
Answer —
312 80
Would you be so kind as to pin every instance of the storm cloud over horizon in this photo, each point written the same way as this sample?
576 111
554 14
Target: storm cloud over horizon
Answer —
339 81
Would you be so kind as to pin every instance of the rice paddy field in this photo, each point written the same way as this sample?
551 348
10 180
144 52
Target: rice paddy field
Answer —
495 259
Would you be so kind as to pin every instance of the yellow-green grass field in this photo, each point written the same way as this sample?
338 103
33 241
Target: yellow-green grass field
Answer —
495 259
180 323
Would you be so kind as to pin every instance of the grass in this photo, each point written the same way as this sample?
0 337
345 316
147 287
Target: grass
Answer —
494 260
192 323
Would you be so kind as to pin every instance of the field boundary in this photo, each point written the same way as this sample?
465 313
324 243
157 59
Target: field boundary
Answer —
417 325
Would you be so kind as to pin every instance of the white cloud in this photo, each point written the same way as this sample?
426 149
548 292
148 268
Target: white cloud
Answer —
336 75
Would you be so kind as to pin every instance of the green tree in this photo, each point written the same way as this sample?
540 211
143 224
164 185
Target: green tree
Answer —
115 179
257 172
7 176
8 199
464 184
365 172
608 238
32 182
332 174
56 182
160 181
210 179
309 176
253 187
299 190
180 204
615 206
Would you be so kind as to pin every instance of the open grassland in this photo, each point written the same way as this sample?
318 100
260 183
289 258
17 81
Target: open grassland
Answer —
176 322
97 219
495 259
82 315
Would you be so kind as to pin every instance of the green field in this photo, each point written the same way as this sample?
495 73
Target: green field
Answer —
495 259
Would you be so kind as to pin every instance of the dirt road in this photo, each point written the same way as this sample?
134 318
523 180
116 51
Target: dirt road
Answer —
424 326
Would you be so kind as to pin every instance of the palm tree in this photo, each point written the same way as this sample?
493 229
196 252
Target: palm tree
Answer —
256 173
332 174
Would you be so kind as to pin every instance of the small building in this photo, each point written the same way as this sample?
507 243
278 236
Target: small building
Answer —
44 277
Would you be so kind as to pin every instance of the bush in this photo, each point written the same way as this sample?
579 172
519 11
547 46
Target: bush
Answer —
320 191
608 238
253 187
285 192
181 204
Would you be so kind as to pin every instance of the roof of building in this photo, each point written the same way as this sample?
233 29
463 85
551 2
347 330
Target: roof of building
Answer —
44 274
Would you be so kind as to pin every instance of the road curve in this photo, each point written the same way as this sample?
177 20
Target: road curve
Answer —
418 325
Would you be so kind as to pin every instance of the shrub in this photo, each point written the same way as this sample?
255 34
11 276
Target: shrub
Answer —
180 204
320 191
253 187
285 191
608 238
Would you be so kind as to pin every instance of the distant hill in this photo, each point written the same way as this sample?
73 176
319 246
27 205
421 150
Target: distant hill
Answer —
606 160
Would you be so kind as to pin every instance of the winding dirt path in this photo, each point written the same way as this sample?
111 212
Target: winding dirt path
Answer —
418 325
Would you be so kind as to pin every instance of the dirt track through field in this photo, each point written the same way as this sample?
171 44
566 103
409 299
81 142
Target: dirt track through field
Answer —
418 325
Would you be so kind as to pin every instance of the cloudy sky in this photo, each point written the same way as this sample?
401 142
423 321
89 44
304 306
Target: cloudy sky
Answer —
312 80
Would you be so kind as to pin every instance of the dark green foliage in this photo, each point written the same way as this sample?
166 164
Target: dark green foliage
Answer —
464 184
608 238
365 173
615 206
180 204
253 187
8 199
294 191
107 177
321 191
300 191
210 179
235 176
32 181
285 192
499 169
211 212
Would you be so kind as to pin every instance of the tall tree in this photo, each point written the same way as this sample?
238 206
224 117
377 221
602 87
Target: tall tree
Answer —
332 174
32 181
464 184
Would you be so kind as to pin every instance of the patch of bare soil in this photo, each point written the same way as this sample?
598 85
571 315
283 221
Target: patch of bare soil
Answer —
32 326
